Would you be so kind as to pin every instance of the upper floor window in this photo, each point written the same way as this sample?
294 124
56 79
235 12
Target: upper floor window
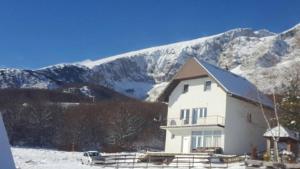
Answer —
198 113
249 117
185 115
185 88
207 86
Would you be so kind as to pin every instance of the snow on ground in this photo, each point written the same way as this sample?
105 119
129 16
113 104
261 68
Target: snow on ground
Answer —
31 158
28 158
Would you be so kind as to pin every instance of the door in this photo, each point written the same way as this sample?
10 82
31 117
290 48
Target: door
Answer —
186 144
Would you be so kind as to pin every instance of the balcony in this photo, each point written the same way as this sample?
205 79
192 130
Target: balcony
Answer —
204 121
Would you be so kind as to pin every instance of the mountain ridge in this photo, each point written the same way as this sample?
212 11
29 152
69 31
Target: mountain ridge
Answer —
144 73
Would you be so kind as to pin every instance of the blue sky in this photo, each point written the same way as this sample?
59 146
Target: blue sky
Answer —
37 33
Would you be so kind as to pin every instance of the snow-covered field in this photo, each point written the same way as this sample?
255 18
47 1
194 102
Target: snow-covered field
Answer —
29 158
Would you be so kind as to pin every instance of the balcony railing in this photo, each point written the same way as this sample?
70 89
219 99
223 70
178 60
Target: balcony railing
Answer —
203 121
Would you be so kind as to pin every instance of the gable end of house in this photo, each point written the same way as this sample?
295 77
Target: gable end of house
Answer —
231 83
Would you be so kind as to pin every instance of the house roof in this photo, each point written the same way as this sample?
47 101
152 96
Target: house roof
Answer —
230 82
282 133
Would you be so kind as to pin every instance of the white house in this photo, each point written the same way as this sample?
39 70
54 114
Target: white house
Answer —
212 107
6 159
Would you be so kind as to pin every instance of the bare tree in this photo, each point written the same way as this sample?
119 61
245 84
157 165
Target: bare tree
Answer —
267 119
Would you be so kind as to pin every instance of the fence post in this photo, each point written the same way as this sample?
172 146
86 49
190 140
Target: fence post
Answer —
193 160
133 161
189 162
117 164
147 162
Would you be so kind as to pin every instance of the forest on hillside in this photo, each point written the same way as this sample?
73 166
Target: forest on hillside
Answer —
66 121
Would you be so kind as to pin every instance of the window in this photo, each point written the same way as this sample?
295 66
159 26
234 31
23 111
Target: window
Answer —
185 116
207 86
185 88
206 138
202 112
196 141
198 113
249 117
195 116
182 114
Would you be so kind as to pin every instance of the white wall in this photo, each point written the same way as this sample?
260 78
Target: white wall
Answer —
240 134
214 100
175 145
6 159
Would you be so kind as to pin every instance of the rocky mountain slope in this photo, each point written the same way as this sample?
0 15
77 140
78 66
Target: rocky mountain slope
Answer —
258 55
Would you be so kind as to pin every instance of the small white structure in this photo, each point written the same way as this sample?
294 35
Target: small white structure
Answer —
282 132
209 107
6 159
287 139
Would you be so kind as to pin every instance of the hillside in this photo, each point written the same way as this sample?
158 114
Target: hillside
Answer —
81 117
258 55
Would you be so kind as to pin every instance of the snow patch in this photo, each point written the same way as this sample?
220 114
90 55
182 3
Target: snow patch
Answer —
132 88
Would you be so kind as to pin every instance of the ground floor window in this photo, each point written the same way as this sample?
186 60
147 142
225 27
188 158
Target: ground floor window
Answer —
206 138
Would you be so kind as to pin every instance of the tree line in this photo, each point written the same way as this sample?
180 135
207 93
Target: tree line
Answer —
35 119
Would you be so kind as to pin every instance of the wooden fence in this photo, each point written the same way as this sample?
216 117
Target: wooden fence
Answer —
191 161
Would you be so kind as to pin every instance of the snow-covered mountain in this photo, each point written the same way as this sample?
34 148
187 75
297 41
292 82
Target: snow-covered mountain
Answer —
254 54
